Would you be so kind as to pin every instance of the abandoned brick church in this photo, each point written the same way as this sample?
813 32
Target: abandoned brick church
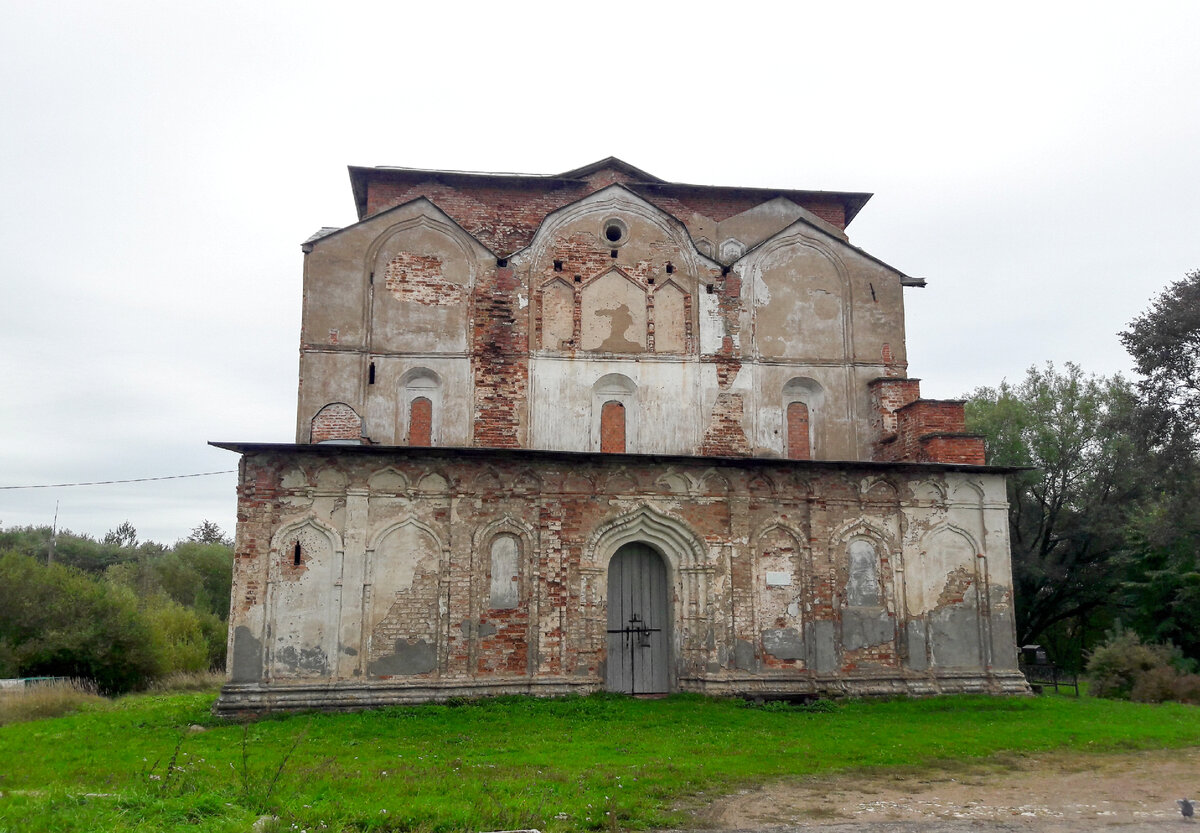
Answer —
598 430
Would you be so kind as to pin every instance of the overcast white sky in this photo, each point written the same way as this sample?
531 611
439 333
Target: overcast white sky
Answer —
160 164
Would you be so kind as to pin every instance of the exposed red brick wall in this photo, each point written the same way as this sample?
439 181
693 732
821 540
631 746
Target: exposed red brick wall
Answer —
725 436
926 430
420 422
612 428
953 448
797 432
418 278
558 628
888 396
503 215
336 421
500 361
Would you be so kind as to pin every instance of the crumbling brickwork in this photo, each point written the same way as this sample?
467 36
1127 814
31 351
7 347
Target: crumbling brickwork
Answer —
761 598
601 431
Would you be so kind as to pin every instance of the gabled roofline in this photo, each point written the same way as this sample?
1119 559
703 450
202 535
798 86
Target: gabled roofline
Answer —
671 218
308 244
905 279
853 201
610 162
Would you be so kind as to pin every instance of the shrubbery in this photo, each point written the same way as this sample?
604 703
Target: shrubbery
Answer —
1125 668
118 613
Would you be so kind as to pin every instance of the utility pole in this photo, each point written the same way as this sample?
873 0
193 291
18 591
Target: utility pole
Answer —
53 536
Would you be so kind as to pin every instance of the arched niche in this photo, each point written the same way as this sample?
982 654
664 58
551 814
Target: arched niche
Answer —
420 412
801 301
422 274
621 390
803 402
336 424
401 616
305 562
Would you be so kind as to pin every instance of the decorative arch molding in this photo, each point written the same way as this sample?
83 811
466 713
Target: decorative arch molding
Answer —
675 482
335 540
868 485
966 492
757 537
677 542
615 387
761 483
391 527
759 257
795 235
505 524
711 481
616 197
947 528
433 482
930 490
293 528
864 528
439 223
389 481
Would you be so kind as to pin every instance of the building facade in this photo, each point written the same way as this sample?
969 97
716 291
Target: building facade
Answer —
597 430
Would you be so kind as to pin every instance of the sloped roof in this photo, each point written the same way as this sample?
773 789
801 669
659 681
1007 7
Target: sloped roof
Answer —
645 183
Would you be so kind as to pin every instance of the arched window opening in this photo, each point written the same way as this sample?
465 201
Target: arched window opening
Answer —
420 422
505 594
862 588
799 445
297 555
419 409
612 428
803 400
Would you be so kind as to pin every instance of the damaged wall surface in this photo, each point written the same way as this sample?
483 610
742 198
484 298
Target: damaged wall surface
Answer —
518 390
370 576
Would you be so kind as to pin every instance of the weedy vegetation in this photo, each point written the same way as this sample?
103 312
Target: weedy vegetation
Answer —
163 762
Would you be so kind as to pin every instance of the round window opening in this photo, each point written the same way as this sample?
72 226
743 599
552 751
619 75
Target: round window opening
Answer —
615 231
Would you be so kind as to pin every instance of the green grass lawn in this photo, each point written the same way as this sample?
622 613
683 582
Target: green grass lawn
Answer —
552 764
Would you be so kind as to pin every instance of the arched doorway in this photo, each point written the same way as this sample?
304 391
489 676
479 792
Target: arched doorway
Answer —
639 622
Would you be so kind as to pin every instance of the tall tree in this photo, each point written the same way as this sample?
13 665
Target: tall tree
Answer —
1162 590
1164 342
1067 512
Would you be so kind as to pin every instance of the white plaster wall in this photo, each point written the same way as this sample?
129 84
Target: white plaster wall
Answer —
670 411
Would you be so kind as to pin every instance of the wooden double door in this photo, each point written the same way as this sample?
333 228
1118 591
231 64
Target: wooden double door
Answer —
639 622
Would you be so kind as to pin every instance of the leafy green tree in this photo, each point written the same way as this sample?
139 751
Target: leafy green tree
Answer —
1068 510
57 621
209 533
1164 342
124 536
1162 587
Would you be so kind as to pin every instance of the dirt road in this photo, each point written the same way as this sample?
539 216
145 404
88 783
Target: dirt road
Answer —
1052 793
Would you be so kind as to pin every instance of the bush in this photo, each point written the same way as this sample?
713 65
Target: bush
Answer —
56 621
1125 668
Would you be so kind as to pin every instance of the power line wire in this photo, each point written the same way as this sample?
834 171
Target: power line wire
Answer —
112 482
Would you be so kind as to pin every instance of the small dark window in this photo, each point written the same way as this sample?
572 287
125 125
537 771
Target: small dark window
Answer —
724 271
670 267
613 233
296 555
613 253
371 374
558 266
579 279
650 281
501 262
709 289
